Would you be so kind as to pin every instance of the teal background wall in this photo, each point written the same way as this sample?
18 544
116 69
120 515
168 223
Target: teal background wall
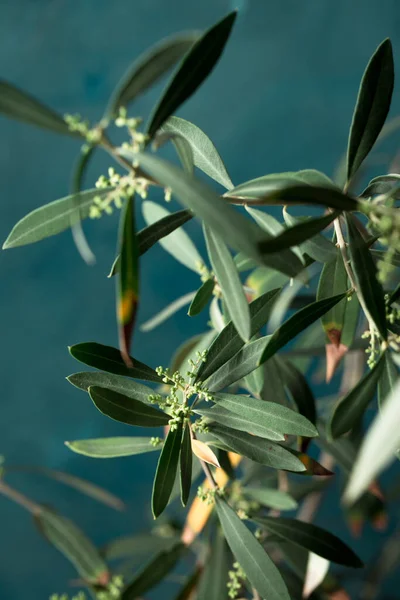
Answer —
280 99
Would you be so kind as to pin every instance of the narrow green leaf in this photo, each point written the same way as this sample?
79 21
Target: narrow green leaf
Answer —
384 184
297 323
202 297
313 538
332 281
351 408
52 218
182 147
139 546
237 231
178 243
243 263
311 466
275 499
109 359
373 104
230 284
186 463
126 410
153 572
194 69
128 280
299 389
274 384
19 105
149 68
388 379
166 471
167 312
237 367
229 342
212 585
318 247
112 447
205 154
64 535
366 277
222 415
123 385
351 318
258 449
259 568
276 417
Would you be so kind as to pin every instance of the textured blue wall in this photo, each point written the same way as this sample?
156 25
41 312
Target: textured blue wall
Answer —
296 65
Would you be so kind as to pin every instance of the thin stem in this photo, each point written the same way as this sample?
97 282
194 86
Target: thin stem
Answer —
19 498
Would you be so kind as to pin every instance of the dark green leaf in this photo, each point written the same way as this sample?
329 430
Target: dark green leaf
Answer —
275 499
299 389
313 538
178 243
372 106
228 342
112 447
154 572
123 385
311 466
229 282
237 367
126 410
351 408
276 417
384 184
166 471
351 318
109 359
259 568
150 67
257 188
318 247
64 535
128 280
332 281
186 463
226 417
274 384
258 449
194 69
388 378
365 274
297 323
212 585
202 297
205 154
343 450
50 219
16 104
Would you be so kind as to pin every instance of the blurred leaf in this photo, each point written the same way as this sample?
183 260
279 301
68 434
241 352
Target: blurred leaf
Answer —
276 417
297 323
259 568
275 499
186 461
109 359
19 105
257 188
311 466
365 275
205 154
228 342
313 538
128 280
384 184
113 447
182 147
137 545
149 68
318 247
372 106
189 587
351 408
193 70
126 410
274 384
202 297
229 282
299 389
212 585
183 351
332 281
224 416
317 569
167 312
154 572
64 535
178 243
52 218
258 449
388 378
132 389
237 367
166 471
243 263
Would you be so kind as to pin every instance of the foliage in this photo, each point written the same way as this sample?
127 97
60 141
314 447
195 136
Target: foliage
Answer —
235 401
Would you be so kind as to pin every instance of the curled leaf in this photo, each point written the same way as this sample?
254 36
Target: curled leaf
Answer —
204 452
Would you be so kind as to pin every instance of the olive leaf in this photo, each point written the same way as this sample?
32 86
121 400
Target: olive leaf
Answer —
166 471
113 447
202 297
186 462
